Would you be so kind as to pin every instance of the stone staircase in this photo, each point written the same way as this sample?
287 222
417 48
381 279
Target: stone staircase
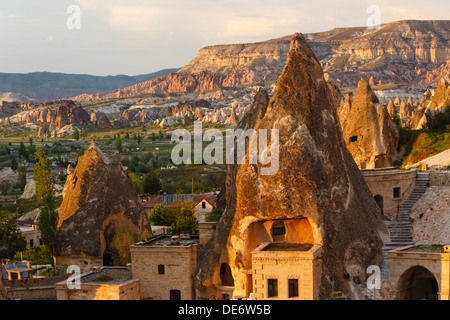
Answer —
400 230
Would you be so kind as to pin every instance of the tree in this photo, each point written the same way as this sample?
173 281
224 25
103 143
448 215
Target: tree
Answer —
159 216
38 255
76 135
118 144
11 239
13 163
31 149
185 220
4 187
22 151
137 182
121 243
22 173
139 139
151 183
46 200
180 218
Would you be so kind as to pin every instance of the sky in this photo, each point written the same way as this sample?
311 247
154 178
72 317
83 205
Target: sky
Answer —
132 37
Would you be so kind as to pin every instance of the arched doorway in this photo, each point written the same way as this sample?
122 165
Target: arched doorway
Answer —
417 283
175 295
379 200
226 276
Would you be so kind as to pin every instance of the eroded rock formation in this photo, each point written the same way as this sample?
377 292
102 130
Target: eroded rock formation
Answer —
346 54
369 133
69 113
428 113
317 192
99 201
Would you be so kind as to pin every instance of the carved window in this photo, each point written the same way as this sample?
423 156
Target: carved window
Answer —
203 204
278 231
272 288
396 193
161 269
293 288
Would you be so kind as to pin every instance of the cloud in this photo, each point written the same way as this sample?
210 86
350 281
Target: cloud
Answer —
135 19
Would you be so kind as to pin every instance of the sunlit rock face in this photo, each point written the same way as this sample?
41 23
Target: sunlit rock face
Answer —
369 133
432 106
318 193
69 113
99 201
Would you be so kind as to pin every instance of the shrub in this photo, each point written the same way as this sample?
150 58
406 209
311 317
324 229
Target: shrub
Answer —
104 278
214 215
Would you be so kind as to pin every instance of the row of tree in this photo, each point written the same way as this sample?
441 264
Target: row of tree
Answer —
11 239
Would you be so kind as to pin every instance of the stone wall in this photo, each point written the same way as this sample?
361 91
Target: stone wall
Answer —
179 264
431 216
34 235
404 259
127 290
283 266
206 230
382 183
85 262
32 289
439 178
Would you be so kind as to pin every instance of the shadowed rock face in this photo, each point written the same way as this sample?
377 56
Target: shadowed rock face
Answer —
369 133
317 181
99 201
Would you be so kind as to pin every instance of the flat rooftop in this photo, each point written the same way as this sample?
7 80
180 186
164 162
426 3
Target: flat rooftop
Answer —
108 276
166 241
390 170
426 248
282 246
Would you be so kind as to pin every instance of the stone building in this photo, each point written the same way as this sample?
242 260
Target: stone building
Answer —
106 283
30 230
202 203
420 272
164 266
390 187
291 271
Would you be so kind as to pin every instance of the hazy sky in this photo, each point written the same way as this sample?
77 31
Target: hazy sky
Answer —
142 36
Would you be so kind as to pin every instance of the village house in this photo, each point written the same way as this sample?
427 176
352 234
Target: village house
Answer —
203 203
30 231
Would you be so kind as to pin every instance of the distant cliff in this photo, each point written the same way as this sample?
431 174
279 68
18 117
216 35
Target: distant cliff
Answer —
43 86
406 52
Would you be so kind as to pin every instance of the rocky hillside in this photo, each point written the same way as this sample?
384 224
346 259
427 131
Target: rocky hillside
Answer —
405 52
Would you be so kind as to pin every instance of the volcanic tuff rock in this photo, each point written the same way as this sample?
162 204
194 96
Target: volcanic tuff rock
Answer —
99 201
408 52
69 113
317 182
369 133
431 108
100 120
